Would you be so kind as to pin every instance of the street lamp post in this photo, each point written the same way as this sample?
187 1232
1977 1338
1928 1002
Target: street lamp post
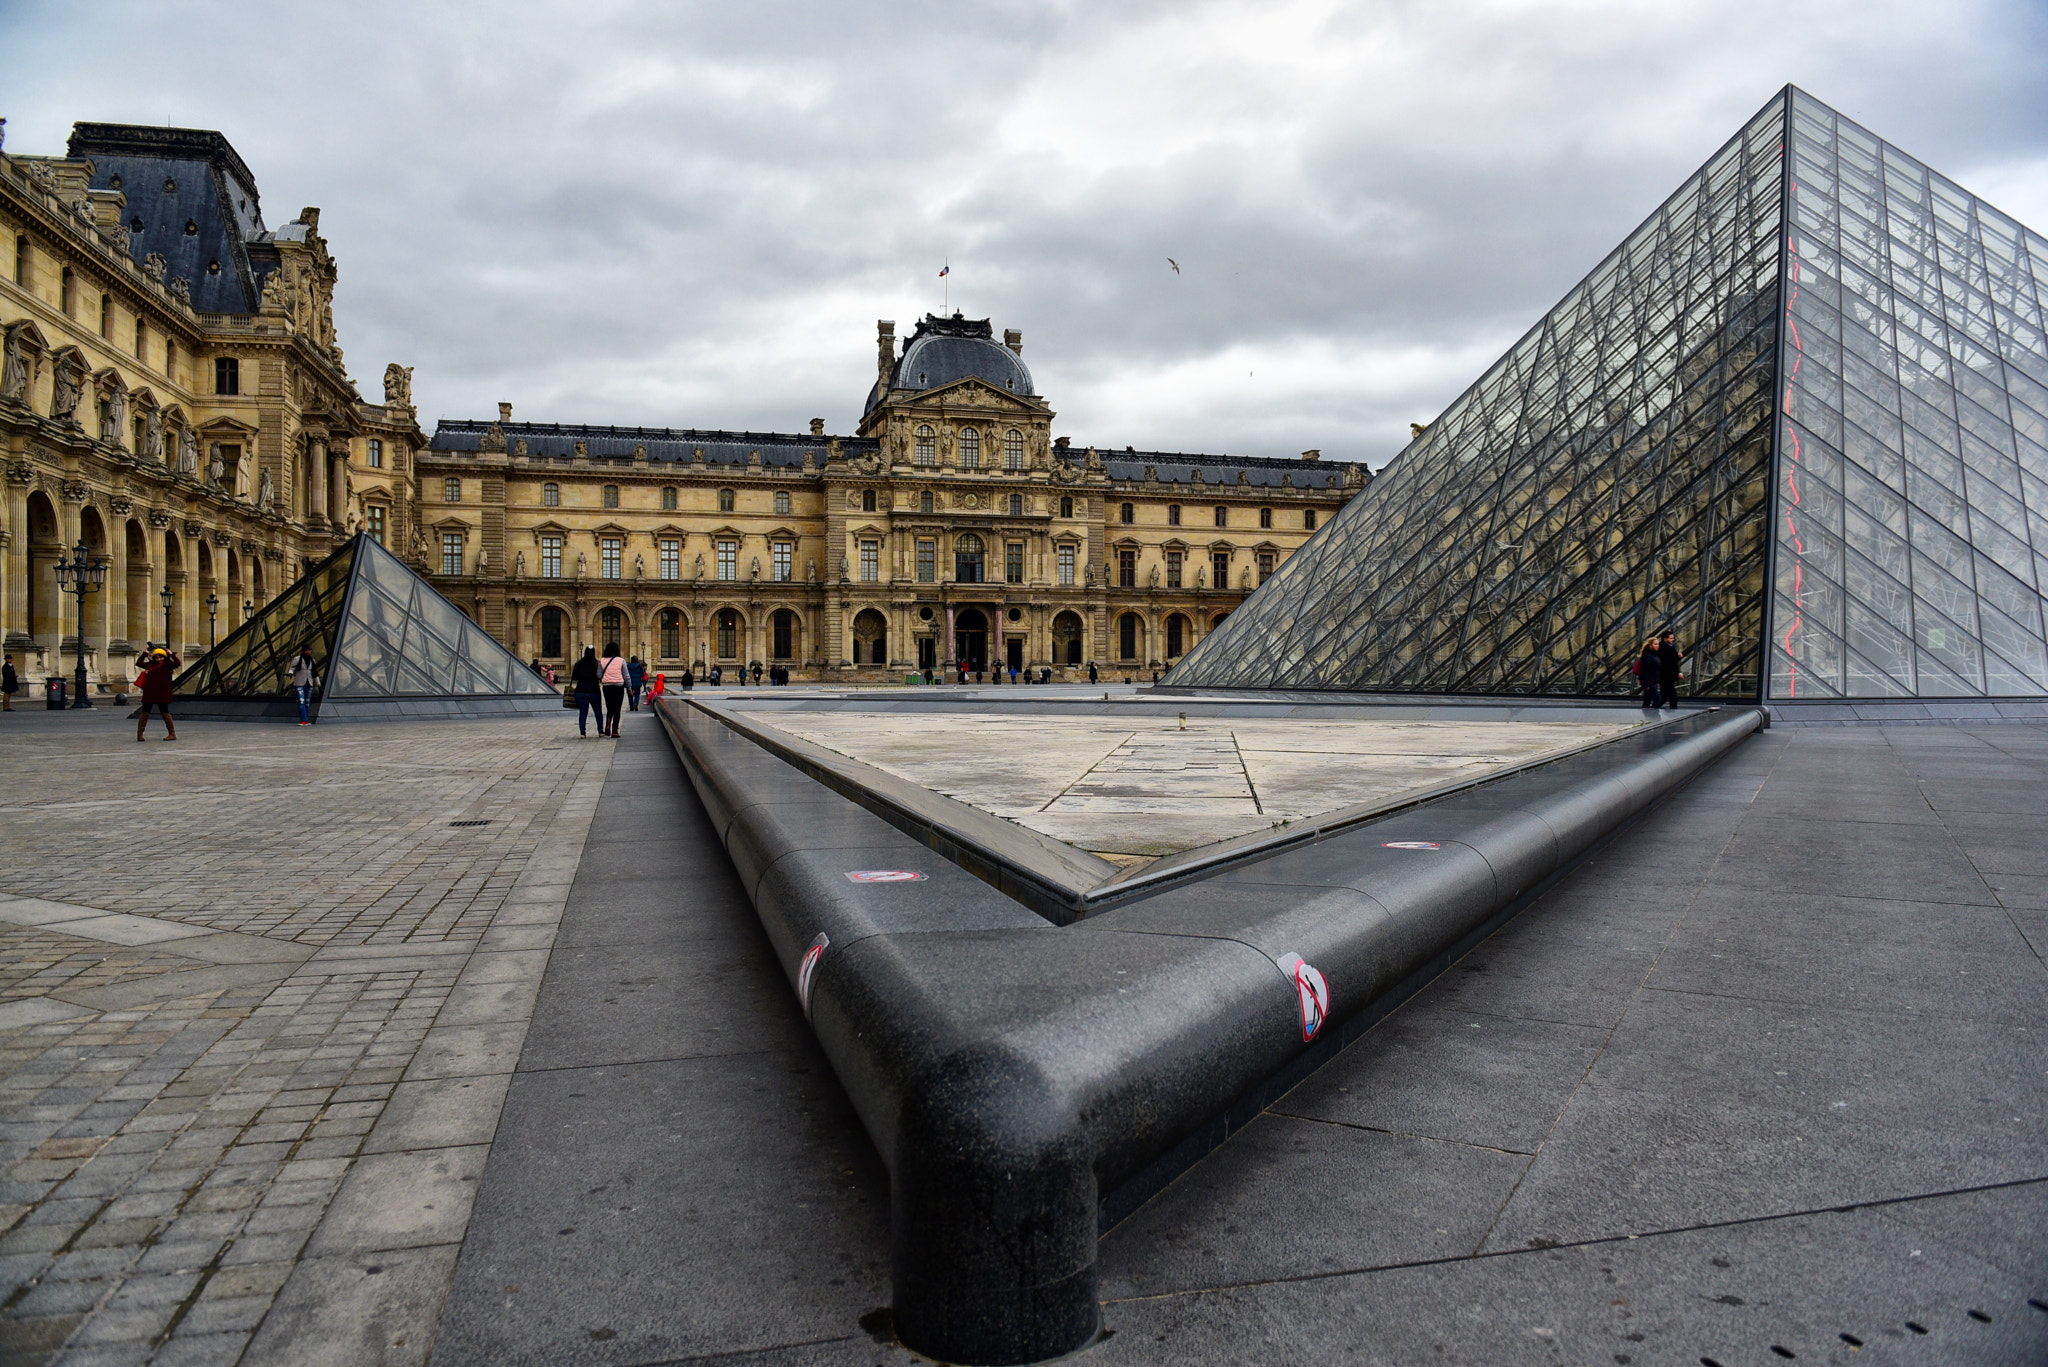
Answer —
248 608
82 574
212 606
169 598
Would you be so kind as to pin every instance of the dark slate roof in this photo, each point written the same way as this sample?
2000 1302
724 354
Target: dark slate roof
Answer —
943 350
1172 467
191 200
557 440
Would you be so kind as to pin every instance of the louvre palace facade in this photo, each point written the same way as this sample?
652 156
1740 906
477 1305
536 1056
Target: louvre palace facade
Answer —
174 397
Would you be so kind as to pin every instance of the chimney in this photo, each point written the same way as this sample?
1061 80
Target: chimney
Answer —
1312 455
1014 340
817 427
885 352
504 412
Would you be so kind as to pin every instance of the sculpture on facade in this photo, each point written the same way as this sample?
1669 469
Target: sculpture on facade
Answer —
188 451
113 416
398 385
153 266
519 564
700 566
1155 576
266 500
181 290
639 567
69 388
277 291
216 466
153 436
14 366
582 564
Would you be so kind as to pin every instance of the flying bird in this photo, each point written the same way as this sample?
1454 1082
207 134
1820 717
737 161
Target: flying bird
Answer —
1173 263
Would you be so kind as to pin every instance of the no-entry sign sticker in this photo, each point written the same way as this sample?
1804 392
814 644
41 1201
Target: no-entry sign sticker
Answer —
1410 845
884 876
1313 991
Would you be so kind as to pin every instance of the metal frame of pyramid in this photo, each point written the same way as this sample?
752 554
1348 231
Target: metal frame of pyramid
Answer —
389 645
1800 417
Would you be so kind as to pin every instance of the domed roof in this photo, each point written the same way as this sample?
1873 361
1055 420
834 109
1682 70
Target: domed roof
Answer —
943 350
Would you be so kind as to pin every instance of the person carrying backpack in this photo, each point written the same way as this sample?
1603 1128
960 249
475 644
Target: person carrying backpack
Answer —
584 676
157 672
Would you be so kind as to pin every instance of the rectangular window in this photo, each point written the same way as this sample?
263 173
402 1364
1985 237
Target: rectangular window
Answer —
451 490
1013 562
171 359
927 562
227 375
451 552
1016 505
373 514
728 560
870 560
671 558
1066 562
551 557
1308 519
1127 569
1265 566
785 558
551 495
1173 514
1219 569
373 454
1222 517
1173 569
1265 517
21 250
141 340
610 551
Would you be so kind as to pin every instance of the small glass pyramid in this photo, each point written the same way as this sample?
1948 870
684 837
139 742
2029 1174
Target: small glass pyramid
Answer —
387 643
1800 417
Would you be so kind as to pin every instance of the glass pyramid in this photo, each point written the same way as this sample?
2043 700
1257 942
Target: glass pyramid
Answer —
381 634
1797 417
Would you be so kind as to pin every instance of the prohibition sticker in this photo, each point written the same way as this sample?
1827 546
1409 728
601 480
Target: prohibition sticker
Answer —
1410 845
885 876
1313 991
808 969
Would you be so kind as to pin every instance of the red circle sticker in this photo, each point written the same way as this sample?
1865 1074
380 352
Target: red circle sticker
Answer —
808 970
1410 845
1312 990
885 876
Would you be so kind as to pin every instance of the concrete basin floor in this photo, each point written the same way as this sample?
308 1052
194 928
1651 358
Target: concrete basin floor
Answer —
1765 1078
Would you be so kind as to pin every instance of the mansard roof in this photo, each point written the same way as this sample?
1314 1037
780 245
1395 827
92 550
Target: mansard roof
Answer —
191 200
944 350
557 441
1174 467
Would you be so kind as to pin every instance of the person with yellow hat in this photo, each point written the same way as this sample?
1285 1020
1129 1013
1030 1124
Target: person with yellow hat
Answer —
159 667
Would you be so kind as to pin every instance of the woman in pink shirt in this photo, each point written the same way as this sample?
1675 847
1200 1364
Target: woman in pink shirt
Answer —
613 680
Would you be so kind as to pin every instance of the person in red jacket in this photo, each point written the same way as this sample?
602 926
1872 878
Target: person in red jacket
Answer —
157 672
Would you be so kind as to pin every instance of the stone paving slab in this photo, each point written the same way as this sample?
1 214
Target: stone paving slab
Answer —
212 994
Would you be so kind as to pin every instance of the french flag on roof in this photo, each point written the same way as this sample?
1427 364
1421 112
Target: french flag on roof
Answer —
945 270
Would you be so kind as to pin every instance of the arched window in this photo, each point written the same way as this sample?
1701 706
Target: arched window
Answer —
611 630
867 500
551 495
927 448
668 498
967 559
1265 517
728 634
725 500
1127 636
551 633
1013 450
671 634
611 495
781 501
1127 514
970 449
924 501
1308 519
1222 516
1066 507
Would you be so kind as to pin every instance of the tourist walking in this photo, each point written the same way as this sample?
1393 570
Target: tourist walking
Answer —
613 678
1091 671
636 679
158 669
1669 668
305 678
10 684
584 676
1649 670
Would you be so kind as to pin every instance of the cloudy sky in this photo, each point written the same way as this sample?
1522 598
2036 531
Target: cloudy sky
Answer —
692 215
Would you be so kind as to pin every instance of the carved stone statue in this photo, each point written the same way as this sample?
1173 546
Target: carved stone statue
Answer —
1088 576
1155 576
1093 461
69 389
700 566
277 291
519 564
216 466
180 290
266 500
494 440
483 560
113 417
153 266
1201 577
398 385
845 569
639 567
153 437
14 367
582 564
188 453
754 571
811 571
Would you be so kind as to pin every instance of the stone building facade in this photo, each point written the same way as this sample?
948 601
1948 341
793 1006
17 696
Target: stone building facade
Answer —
951 526
172 395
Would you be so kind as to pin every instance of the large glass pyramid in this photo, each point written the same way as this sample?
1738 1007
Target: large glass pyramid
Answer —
387 642
1800 417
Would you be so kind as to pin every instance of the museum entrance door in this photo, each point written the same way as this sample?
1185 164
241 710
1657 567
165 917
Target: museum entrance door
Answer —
927 654
1015 649
970 639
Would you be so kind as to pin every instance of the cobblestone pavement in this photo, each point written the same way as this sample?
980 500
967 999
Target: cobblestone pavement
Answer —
261 992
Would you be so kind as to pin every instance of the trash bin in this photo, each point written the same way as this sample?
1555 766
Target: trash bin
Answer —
53 688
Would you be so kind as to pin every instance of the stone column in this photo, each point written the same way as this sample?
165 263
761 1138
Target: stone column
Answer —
946 664
337 489
316 480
